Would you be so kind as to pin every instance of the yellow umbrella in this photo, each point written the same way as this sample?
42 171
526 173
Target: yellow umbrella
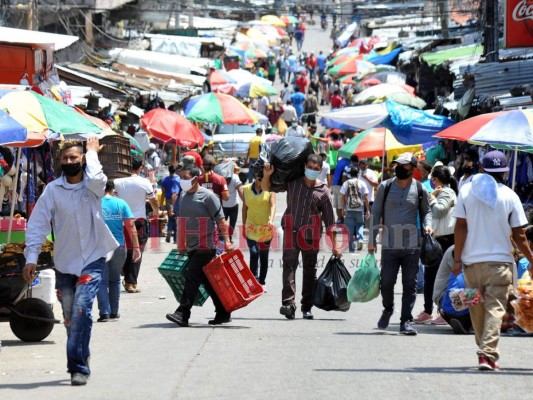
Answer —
26 110
273 20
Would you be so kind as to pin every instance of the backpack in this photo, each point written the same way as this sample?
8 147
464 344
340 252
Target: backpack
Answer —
353 196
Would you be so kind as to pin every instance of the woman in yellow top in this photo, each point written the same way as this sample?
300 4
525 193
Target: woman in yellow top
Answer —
258 210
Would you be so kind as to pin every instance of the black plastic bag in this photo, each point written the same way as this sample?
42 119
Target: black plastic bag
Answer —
225 169
431 251
329 293
288 156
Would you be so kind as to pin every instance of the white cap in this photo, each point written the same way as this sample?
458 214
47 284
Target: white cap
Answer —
152 146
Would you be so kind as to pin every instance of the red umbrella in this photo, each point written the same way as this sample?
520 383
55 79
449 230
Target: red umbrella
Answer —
167 126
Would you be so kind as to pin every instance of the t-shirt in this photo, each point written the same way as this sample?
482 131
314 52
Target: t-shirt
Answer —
255 146
233 195
362 190
324 172
258 214
114 212
172 185
321 61
135 190
198 214
427 185
434 154
298 131
371 175
336 101
489 229
214 182
339 169
464 181
298 99
301 82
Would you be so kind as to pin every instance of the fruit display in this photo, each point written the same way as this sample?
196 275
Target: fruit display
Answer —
13 254
464 298
524 304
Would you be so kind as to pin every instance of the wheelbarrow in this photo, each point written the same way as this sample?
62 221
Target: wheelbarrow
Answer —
31 319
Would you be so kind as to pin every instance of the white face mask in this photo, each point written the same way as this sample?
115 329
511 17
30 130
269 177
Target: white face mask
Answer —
186 184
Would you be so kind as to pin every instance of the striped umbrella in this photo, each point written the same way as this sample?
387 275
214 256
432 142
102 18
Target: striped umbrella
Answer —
218 108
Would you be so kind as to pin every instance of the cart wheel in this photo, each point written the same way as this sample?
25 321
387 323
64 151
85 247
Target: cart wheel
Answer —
27 329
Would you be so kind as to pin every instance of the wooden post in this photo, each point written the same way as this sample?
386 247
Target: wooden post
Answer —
30 14
89 34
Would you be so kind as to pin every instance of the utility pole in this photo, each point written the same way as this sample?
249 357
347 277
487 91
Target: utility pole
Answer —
30 14
444 14
492 32
190 11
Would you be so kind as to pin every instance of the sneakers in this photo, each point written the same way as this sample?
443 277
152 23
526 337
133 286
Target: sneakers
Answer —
458 327
219 320
78 379
423 318
178 318
407 329
495 366
359 246
103 318
288 310
439 321
307 315
114 316
483 364
383 322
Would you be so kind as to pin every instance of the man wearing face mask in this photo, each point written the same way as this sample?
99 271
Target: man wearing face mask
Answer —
469 170
295 130
398 203
200 213
309 205
72 206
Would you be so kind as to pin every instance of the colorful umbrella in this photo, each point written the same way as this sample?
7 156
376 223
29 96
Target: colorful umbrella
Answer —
167 126
256 89
218 108
38 113
344 58
289 19
377 92
220 77
359 67
273 20
407 99
10 130
375 142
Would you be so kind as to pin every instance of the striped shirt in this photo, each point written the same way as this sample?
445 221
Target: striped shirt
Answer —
307 207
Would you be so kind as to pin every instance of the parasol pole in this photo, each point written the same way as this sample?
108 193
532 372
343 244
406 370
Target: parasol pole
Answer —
384 155
14 195
514 166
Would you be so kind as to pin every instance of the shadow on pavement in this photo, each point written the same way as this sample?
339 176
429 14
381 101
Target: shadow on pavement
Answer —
25 386
435 370
168 325
20 343
285 319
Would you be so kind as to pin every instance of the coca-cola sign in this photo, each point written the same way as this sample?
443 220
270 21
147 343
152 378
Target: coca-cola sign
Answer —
518 23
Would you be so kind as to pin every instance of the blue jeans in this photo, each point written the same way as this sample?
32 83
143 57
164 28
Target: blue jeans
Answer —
259 254
109 290
250 170
76 295
355 223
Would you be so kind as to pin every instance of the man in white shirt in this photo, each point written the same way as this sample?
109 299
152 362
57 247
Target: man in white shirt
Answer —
295 129
488 215
369 178
262 105
324 175
71 205
354 201
135 190
289 113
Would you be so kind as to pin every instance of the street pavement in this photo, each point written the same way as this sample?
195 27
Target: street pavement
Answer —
260 355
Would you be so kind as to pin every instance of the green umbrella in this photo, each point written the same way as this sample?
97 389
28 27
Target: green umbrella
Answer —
135 146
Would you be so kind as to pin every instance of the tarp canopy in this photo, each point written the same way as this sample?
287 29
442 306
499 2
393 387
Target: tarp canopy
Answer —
439 57
13 35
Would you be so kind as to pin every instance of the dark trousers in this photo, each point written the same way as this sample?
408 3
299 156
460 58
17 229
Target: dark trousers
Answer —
131 269
391 261
290 264
463 319
259 255
231 213
194 278
430 273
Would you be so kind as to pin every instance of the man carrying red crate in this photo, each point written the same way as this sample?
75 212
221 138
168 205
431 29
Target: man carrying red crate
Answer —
309 204
200 212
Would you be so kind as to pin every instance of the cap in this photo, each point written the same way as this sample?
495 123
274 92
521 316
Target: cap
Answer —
494 161
187 160
407 158
152 146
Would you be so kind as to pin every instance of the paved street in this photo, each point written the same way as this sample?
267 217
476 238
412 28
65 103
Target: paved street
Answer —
260 355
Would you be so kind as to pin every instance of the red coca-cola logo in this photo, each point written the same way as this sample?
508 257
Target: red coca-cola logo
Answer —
523 11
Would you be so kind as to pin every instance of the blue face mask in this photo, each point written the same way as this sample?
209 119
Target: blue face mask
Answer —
311 174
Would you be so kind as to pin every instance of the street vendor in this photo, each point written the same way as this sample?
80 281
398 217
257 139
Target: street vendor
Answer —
71 207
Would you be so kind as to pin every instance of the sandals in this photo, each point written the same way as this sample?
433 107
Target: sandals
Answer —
130 287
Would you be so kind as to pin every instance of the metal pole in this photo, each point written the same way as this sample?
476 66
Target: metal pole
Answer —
14 197
514 166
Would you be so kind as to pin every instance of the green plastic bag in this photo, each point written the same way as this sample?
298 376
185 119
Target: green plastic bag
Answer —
364 285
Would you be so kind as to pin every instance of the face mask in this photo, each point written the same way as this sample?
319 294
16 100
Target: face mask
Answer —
401 172
71 169
311 174
294 125
186 184
468 169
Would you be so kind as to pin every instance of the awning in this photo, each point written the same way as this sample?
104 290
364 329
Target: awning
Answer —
12 35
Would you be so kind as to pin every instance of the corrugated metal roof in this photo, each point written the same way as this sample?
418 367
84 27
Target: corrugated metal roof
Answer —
12 35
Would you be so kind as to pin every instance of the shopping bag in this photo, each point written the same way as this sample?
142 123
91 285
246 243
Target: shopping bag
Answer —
431 251
523 305
329 293
281 125
364 285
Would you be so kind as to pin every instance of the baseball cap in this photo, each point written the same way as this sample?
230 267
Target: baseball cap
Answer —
187 160
407 158
494 161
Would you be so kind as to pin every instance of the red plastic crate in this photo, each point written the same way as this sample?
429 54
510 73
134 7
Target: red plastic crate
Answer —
232 280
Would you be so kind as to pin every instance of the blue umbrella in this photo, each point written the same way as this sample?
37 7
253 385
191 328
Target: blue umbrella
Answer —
10 130
331 124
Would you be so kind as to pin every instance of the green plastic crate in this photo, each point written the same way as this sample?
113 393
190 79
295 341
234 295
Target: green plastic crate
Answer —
174 269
